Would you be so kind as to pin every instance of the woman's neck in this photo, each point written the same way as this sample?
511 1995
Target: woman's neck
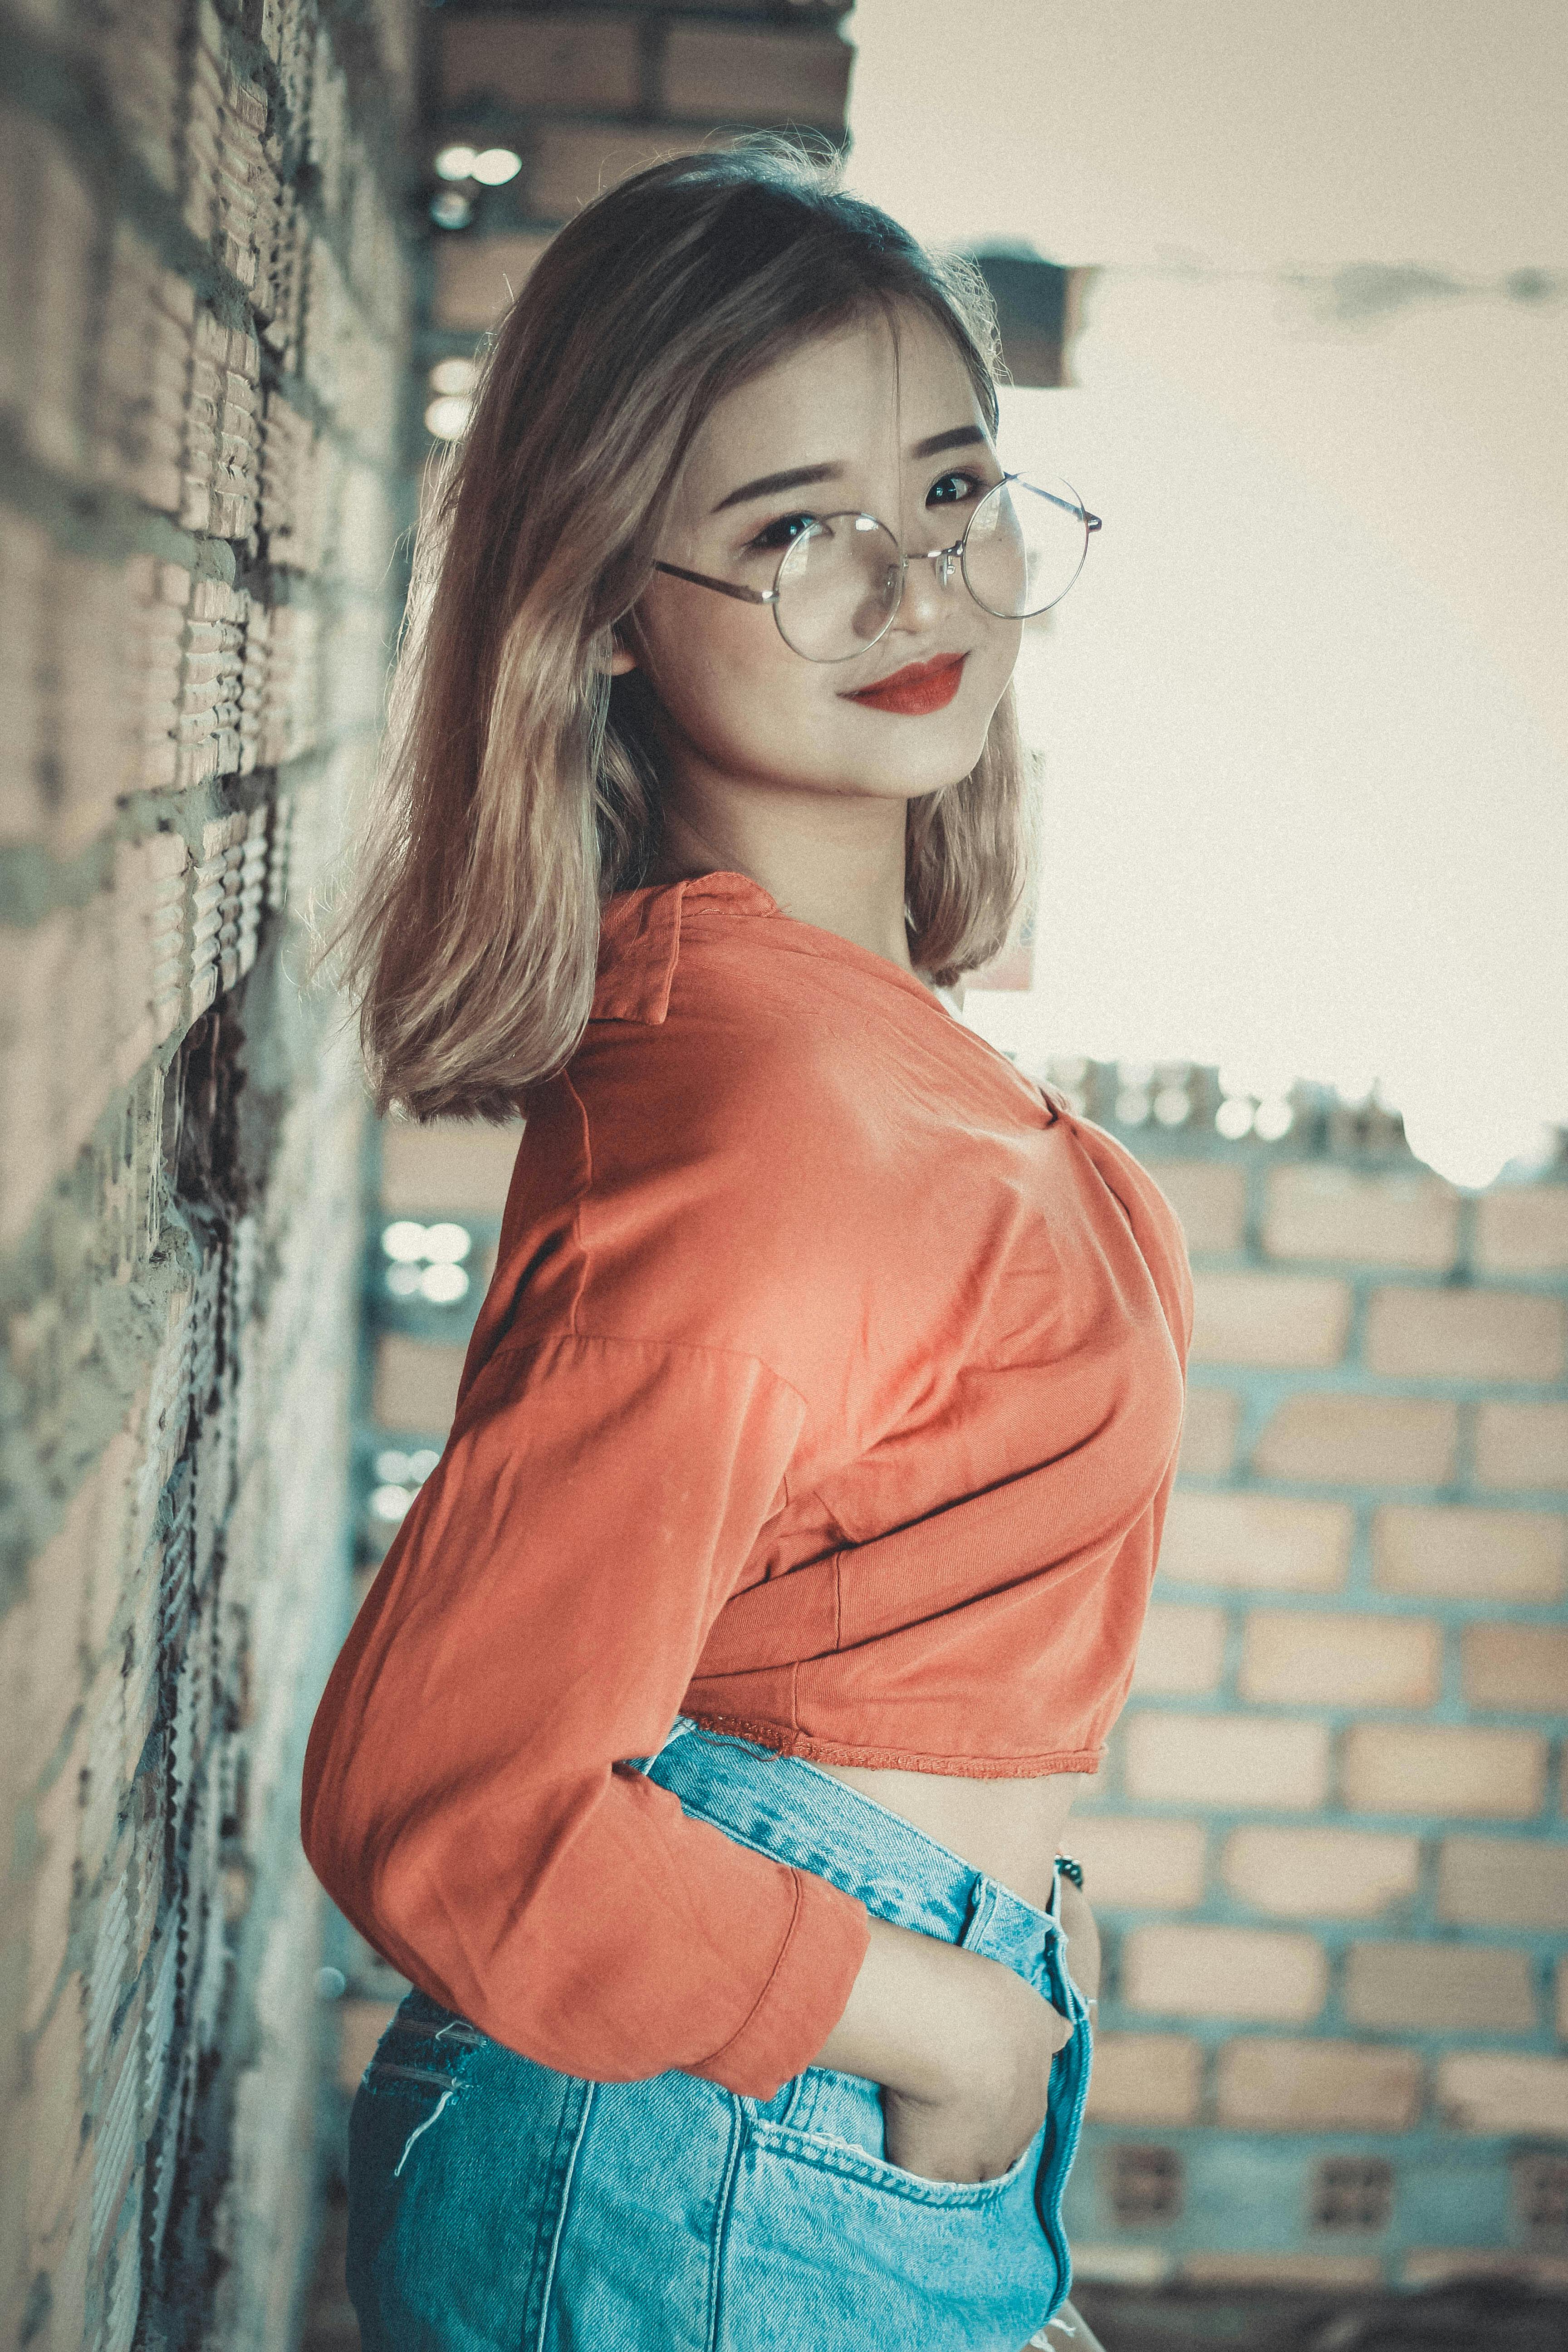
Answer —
833 863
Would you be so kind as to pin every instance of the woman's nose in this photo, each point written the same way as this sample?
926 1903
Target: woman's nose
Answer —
926 591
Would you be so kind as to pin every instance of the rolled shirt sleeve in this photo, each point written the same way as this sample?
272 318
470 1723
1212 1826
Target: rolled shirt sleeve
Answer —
467 1802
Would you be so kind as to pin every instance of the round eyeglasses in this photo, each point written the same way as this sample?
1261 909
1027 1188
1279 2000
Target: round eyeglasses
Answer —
840 581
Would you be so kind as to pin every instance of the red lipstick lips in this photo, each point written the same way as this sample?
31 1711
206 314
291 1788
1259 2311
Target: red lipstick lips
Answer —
917 689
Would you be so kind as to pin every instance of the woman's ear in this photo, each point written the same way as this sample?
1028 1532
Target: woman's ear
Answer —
622 657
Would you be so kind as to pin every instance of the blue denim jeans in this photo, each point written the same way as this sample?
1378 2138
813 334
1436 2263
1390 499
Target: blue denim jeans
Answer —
493 2202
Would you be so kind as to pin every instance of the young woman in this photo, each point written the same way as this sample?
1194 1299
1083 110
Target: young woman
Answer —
702 1750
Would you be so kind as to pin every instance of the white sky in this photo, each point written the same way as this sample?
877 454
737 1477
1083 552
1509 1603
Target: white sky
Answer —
1305 713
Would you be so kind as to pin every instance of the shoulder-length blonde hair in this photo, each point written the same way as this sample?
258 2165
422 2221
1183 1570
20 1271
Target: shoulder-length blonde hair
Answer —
519 786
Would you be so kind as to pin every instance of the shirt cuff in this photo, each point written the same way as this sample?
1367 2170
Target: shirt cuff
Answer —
804 1999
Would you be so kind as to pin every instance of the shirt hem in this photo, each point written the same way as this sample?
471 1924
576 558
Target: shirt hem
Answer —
899 1759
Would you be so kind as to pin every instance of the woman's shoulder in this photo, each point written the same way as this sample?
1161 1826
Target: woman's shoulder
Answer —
718 1040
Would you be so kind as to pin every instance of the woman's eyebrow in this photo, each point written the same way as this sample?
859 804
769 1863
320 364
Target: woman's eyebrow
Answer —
959 437
798 478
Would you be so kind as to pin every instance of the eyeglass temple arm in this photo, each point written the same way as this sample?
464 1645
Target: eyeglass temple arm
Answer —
1091 522
724 587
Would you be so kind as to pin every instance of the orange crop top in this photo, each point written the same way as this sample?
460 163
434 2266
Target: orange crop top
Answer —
827 1389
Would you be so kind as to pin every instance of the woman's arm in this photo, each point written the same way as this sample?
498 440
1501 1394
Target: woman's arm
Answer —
466 1798
962 2046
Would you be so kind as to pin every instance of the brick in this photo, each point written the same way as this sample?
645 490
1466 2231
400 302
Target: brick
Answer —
1437 2265
58 1582
1136 1864
1299 1874
1360 1441
1181 1652
1431 1769
415 1384
1494 2091
1268 2084
1522 1446
1324 2271
1208 1433
360 2024
1270 1542
735 75
1114 2263
49 1899
1454 1552
448 1169
1227 1759
549 64
1288 1321
1522 1229
1503 1883
1522 1667
1314 1210
1466 1335
1192 1971
1297 1657
572 165
1145 2078
476 279
54 2111
1439 1988
1209 1196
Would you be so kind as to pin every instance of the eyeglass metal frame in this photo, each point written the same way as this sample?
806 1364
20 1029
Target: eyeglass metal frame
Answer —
946 557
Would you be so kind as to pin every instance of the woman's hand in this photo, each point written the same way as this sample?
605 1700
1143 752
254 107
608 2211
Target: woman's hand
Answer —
985 2116
960 2045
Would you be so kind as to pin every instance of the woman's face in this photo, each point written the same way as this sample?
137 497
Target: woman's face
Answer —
852 421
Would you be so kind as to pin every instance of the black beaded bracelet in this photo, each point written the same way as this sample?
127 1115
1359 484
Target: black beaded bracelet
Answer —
1071 1869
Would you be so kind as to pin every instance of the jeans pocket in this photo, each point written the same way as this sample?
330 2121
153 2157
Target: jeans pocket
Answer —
828 2243
839 2121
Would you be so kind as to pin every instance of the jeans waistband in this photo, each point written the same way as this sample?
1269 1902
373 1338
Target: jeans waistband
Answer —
782 1806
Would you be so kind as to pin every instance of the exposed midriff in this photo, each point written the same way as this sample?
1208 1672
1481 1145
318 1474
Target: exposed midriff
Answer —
1013 1830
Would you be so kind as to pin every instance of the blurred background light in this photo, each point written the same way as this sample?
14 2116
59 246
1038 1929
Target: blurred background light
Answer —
455 162
457 376
494 166
447 418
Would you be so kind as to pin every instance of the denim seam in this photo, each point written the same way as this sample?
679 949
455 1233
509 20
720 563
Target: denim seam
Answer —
542 2287
841 2157
722 2225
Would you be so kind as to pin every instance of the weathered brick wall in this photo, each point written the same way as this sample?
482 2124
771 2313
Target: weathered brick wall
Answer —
1329 1844
202 346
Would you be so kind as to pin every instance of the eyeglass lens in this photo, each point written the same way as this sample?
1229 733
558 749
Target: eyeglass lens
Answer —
838 586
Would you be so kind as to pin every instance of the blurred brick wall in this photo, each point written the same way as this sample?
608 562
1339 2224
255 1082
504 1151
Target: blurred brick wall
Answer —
585 95
202 350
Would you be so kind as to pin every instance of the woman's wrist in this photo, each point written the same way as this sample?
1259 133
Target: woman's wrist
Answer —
924 2015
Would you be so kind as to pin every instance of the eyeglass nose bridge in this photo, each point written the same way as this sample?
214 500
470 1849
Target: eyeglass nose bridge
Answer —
944 557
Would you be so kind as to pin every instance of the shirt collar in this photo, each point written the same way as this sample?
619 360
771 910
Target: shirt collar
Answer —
639 940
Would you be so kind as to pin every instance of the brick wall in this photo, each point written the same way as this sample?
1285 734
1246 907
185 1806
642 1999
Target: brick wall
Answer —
202 345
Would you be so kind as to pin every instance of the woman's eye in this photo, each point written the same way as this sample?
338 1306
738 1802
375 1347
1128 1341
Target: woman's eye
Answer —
953 490
783 532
